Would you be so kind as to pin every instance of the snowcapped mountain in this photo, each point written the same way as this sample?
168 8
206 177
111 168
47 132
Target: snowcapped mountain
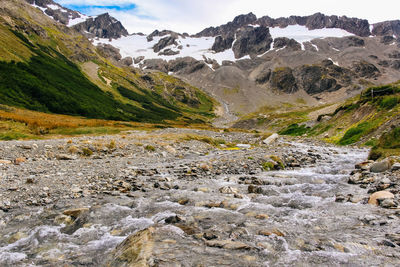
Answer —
252 62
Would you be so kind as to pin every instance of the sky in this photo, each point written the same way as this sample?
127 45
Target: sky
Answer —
192 16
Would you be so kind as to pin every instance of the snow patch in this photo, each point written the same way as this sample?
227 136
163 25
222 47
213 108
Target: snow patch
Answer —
315 46
334 62
302 34
54 7
198 48
75 21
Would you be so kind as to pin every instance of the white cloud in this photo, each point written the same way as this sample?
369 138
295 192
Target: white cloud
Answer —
193 16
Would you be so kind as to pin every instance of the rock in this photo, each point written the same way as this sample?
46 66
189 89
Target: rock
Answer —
387 28
252 41
17 236
261 216
227 244
254 189
396 167
63 219
273 232
65 157
271 139
164 42
282 42
75 213
365 69
243 146
387 203
380 166
3 161
381 195
18 161
102 26
127 61
228 190
282 79
210 236
173 220
109 51
183 201
222 43
134 251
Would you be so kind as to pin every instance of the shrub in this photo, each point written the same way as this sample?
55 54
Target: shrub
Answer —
87 152
267 166
388 102
295 130
150 148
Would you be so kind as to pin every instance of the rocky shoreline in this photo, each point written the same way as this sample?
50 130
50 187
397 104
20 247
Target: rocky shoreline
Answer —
223 198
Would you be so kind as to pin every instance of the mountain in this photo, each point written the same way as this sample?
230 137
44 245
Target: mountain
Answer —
253 63
49 67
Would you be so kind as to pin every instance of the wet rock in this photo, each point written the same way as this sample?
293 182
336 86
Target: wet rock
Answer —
75 213
252 189
227 244
63 219
210 236
134 250
183 201
173 219
387 203
17 236
273 232
380 166
228 190
80 222
395 237
381 195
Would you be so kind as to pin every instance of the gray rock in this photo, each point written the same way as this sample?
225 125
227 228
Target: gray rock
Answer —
380 166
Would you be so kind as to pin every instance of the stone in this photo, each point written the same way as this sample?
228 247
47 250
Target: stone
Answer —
18 161
65 157
183 201
17 236
4 161
262 216
273 232
228 190
373 199
396 167
63 219
271 139
381 166
75 212
254 189
135 250
387 203
243 146
227 244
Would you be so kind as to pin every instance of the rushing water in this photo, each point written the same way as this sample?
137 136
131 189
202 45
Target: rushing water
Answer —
300 204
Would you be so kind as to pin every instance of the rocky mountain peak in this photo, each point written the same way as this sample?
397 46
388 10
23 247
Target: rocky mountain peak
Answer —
102 26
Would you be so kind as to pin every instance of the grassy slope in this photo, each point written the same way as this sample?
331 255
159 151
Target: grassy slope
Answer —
38 72
370 119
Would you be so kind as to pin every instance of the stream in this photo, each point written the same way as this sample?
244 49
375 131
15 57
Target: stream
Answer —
276 218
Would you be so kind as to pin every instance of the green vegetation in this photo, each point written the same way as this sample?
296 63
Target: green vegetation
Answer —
150 148
354 134
49 82
268 166
295 130
388 102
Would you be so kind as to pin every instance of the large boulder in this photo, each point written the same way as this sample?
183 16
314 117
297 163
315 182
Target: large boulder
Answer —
134 251
379 196
222 43
380 166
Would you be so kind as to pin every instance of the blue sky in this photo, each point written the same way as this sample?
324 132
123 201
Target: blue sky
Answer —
194 15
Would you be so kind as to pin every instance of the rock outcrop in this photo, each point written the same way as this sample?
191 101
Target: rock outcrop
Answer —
387 28
103 26
252 41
